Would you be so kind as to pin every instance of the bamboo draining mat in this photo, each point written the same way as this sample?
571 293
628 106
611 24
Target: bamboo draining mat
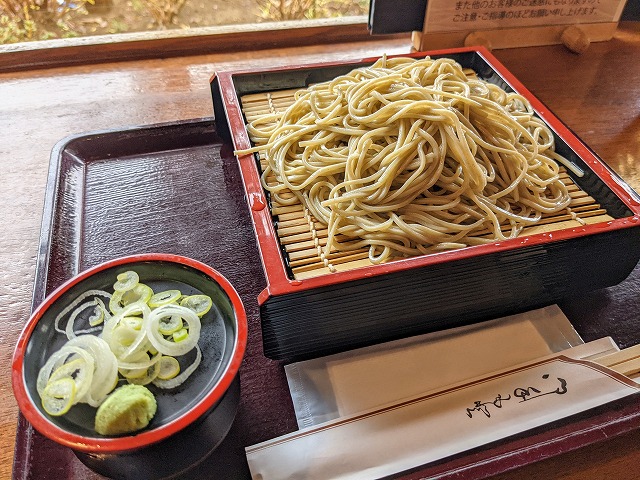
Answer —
303 237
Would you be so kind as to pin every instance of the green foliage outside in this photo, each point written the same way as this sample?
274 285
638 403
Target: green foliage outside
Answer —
31 20
279 10
39 19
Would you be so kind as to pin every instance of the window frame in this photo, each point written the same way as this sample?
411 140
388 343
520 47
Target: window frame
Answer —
174 43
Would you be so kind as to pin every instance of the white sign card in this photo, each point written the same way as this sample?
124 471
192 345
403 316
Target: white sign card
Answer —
472 15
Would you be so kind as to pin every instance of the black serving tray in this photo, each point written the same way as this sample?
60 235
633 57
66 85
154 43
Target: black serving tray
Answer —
196 207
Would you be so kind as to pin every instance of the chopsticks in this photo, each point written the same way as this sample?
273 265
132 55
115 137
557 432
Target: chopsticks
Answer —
625 362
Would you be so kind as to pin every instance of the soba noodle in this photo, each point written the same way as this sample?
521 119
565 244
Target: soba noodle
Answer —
408 157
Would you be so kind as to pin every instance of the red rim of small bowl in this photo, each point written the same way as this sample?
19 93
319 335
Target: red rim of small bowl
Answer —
119 444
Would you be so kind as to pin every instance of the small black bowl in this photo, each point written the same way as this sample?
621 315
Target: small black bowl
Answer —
191 419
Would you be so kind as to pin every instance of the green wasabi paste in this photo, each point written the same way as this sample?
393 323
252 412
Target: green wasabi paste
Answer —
127 409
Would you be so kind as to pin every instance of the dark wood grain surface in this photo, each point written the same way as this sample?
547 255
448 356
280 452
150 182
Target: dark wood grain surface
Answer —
597 94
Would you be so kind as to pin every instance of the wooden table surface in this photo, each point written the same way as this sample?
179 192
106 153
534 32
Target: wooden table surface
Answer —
597 94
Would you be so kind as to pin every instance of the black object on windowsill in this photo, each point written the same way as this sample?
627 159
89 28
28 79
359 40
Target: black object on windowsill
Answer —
398 16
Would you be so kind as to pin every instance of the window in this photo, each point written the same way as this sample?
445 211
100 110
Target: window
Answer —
34 20
48 33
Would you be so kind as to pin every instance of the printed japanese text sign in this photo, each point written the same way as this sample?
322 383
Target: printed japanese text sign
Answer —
473 15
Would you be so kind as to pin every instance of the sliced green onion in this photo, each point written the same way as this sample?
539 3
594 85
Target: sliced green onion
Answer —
148 376
59 396
181 335
169 367
164 298
139 343
126 281
139 360
115 303
123 336
75 303
130 310
184 375
139 293
170 324
139 371
134 323
98 313
68 362
69 329
105 374
200 304
75 368
168 347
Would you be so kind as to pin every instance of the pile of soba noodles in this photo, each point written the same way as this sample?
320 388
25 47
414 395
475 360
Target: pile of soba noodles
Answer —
408 157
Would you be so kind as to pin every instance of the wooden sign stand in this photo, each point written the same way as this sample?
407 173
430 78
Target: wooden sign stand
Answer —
443 32
575 37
